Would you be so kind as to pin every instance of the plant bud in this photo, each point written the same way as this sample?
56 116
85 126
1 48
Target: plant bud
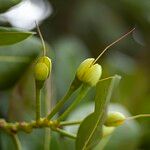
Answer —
47 61
89 73
42 68
41 72
115 119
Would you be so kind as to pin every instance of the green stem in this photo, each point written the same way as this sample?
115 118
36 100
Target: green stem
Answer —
78 99
38 103
63 132
60 104
74 86
47 105
16 142
70 123
47 139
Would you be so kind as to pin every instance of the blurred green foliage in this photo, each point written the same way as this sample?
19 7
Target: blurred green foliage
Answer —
15 59
77 30
6 4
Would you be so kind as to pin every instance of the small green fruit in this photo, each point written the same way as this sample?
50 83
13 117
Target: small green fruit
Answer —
47 61
115 119
42 68
41 72
88 72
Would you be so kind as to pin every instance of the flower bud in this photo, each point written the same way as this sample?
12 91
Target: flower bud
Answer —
47 61
88 72
115 119
42 68
41 72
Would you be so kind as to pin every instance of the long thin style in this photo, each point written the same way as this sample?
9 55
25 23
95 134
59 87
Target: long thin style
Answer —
41 37
113 44
138 116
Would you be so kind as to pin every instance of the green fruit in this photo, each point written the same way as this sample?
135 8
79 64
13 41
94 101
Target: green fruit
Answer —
47 61
88 72
115 119
41 72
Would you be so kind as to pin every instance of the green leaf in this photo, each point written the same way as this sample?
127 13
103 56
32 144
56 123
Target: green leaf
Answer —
90 130
14 60
120 137
12 35
6 4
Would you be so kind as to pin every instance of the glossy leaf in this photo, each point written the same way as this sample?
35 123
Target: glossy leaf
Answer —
90 130
12 35
6 4
15 59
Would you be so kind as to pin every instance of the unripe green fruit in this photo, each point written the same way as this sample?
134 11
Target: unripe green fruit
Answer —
115 119
47 61
41 72
88 72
